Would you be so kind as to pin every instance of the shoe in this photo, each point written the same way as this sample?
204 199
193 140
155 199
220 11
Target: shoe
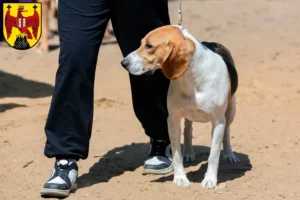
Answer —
159 160
62 181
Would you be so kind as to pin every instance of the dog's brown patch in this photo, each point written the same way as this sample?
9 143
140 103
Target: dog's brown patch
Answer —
190 45
167 48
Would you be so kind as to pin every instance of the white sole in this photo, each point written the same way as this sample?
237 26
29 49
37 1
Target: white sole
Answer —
47 192
160 172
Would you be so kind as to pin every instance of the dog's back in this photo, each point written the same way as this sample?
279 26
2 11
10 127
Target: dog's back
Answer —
226 55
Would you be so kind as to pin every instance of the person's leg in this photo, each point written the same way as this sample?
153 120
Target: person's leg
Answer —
132 20
43 44
81 26
107 34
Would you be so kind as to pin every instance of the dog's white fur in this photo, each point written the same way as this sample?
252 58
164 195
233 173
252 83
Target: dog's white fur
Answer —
200 95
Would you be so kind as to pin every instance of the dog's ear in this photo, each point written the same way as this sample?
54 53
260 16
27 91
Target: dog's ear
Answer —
190 45
176 61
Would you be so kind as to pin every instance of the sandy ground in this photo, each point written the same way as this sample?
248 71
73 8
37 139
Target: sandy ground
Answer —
263 36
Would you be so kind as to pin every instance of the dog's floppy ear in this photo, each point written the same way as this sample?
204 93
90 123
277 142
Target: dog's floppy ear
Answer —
176 61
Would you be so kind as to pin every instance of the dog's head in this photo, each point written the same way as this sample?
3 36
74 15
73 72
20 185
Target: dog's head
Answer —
164 48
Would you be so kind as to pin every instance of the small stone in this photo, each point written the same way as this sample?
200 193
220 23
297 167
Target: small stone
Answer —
221 186
282 196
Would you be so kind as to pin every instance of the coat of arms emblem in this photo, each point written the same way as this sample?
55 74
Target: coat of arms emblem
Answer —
22 24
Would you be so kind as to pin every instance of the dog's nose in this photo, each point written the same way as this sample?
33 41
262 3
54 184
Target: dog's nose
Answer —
125 63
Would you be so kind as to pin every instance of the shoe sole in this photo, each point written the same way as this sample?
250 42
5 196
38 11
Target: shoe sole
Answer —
47 192
160 171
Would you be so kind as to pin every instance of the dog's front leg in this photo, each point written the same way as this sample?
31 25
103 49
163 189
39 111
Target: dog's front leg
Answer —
210 179
180 178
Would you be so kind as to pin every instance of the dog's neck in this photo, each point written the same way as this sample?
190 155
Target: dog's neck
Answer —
192 80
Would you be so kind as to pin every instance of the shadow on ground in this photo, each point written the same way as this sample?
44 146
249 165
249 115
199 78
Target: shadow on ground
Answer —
114 163
109 42
53 47
226 171
130 157
8 106
16 86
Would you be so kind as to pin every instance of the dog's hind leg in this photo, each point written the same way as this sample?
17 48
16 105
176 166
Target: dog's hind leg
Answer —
228 155
189 155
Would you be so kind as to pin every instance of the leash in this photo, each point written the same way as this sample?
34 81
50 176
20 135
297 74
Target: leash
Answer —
180 13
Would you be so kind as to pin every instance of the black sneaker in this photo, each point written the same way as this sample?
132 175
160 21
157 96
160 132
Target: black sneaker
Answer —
62 181
159 160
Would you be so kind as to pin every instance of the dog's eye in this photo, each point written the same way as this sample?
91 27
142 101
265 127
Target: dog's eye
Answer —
148 46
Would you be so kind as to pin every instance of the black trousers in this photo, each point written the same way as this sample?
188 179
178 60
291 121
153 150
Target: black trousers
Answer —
81 26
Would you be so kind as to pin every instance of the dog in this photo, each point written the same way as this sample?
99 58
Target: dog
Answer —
203 82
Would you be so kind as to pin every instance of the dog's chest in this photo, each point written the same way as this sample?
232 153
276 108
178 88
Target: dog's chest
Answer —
187 105
190 100
194 112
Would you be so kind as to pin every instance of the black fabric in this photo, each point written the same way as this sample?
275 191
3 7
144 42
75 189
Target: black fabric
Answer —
81 26
158 148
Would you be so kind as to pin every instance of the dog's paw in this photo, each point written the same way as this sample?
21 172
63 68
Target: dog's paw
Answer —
209 182
229 157
181 180
189 156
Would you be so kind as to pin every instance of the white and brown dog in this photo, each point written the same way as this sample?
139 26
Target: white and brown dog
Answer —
203 83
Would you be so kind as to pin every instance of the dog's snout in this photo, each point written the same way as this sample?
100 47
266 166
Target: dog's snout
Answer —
125 63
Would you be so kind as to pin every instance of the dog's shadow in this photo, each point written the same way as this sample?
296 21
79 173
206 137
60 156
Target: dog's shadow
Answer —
226 172
130 157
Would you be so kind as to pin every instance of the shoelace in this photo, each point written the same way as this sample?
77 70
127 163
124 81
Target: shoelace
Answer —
61 171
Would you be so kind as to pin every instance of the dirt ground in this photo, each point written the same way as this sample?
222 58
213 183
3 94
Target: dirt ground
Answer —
263 36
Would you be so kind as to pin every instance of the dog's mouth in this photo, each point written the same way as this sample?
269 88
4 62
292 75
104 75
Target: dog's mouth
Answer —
141 72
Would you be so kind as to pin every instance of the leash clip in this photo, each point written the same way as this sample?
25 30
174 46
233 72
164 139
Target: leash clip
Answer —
180 14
